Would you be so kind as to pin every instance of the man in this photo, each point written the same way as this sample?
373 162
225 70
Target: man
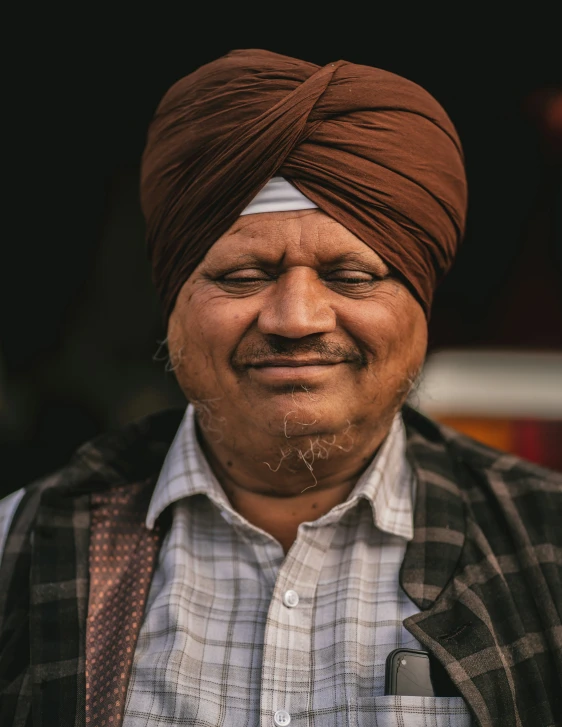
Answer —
255 560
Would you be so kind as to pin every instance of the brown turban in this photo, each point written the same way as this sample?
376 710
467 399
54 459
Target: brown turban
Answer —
373 150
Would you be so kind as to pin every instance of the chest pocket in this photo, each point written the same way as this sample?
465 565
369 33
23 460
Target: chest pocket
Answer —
397 711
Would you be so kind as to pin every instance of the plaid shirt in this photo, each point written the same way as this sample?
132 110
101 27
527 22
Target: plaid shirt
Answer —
483 567
217 610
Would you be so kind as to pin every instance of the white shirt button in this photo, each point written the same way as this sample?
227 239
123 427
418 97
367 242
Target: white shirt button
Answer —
290 599
282 718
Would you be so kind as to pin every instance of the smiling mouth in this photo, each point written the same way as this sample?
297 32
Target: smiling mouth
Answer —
282 372
288 357
292 363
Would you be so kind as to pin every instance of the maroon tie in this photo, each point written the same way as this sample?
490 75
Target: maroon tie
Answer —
122 559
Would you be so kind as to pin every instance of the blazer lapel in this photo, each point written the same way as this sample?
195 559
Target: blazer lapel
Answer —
63 591
471 610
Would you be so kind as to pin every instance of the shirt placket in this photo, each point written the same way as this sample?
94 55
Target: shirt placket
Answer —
287 658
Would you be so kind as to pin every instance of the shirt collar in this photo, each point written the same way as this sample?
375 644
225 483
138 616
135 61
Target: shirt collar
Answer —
387 483
185 472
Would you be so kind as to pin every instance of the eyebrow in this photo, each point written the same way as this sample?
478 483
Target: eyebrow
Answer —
249 258
364 259
358 257
343 257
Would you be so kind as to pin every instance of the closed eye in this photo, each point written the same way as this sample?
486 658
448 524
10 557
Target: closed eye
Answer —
243 282
345 281
350 277
340 276
248 275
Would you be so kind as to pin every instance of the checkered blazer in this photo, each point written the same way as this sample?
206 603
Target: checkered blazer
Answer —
484 568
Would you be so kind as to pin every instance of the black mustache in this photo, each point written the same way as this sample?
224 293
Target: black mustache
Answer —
297 349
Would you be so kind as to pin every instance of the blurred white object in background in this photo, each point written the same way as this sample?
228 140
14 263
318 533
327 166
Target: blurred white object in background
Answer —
494 383
508 399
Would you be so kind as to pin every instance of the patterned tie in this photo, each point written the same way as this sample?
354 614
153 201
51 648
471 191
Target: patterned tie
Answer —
122 559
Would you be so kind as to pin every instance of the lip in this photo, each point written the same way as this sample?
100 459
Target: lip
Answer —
280 362
298 372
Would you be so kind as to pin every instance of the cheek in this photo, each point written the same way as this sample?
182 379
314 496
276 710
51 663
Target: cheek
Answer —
395 332
205 330
188 339
190 355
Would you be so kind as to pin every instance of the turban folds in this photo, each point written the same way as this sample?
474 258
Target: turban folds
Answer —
373 150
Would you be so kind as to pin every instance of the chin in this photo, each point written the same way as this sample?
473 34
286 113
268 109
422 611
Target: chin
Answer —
305 415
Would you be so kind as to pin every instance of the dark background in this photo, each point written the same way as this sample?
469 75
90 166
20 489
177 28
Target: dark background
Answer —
80 323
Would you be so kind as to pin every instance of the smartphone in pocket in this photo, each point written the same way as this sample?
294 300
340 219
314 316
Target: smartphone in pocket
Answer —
407 673
413 673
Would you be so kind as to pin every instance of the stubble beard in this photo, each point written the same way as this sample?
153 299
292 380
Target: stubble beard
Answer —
304 441
299 450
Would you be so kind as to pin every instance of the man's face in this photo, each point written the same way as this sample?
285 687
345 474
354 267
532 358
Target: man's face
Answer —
292 326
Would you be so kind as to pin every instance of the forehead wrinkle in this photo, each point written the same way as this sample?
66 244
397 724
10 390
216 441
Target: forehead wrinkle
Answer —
246 224
265 235
272 238
255 258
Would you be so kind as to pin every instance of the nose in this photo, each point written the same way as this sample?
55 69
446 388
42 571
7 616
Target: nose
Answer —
297 305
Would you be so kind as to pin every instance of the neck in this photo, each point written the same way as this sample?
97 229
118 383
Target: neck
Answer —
283 486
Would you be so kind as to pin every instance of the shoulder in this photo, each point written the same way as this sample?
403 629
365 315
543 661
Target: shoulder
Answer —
129 453
444 439
118 456
114 458
487 477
